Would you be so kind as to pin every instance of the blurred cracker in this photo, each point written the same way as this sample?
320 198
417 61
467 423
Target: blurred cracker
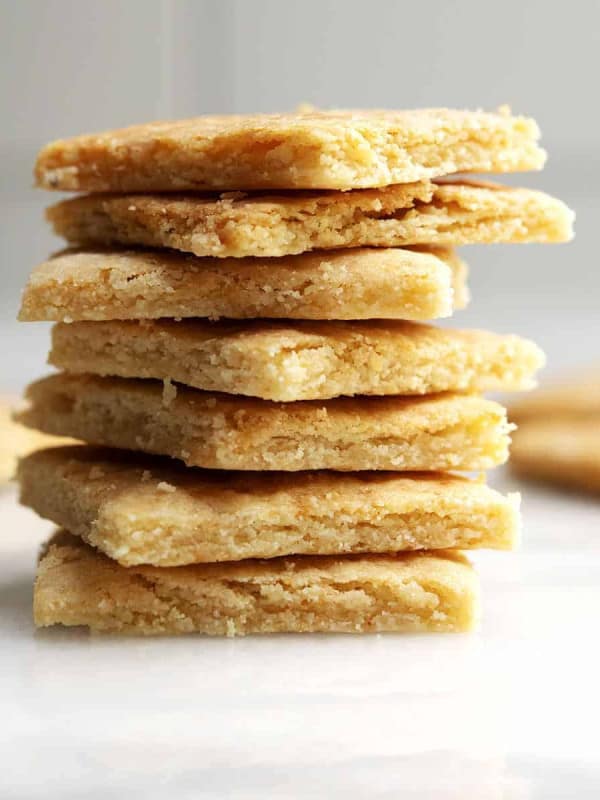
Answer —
16 440
564 452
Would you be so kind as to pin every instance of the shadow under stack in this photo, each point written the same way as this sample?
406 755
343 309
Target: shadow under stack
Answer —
271 431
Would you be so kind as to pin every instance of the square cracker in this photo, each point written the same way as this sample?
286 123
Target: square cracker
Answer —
204 429
303 150
142 510
359 283
287 361
434 214
435 591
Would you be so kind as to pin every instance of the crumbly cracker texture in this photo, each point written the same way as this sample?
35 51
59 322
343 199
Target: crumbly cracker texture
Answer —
287 361
360 283
447 213
302 150
142 510
76 585
435 432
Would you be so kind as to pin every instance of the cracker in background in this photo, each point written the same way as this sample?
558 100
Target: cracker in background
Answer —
565 452
576 396
16 440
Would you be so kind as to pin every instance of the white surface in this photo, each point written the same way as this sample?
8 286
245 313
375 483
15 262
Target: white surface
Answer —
509 712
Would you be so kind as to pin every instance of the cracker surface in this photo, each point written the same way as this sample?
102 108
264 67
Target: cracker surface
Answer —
146 510
236 225
387 283
301 150
76 585
286 361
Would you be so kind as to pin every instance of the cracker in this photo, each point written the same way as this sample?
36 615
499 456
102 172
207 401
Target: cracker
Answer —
576 397
305 149
146 510
76 585
16 440
287 361
338 284
203 429
561 451
238 225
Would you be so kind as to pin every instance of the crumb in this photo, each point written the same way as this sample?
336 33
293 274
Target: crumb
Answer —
169 392
163 486
233 195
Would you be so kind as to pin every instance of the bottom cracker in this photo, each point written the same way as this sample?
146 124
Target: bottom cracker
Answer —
436 591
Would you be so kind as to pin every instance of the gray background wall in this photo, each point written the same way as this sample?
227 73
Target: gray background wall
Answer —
69 66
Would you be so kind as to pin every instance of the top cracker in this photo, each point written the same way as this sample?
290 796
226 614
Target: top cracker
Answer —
300 150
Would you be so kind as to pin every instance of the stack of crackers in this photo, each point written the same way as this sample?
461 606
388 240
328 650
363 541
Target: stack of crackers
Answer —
270 425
